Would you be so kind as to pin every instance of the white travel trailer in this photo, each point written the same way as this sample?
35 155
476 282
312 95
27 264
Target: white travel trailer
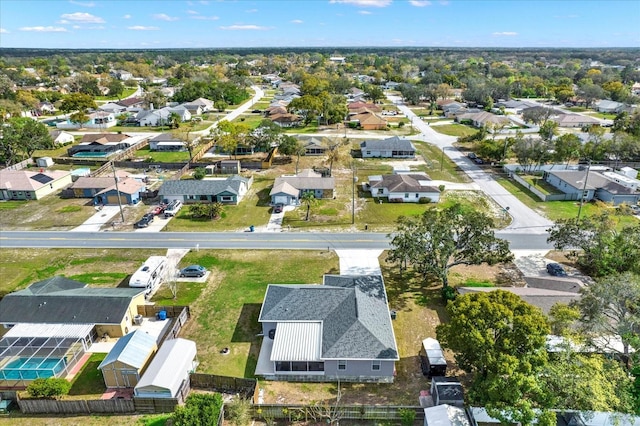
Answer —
150 274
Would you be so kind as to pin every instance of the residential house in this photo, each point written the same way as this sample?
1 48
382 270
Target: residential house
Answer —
60 137
635 89
102 144
393 147
483 119
113 108
167 142
97 120
88 186
403 188
355 95
543 298
121 75
451 108
194 110
340 330
341 60
205 105
368 121
127 360
608 106
275 110
228 190
286 120
45 108
313 146
126 191
132 104
575 120
162 116
59 300
607 188
28 185
390 85
168 373
288 190
361 106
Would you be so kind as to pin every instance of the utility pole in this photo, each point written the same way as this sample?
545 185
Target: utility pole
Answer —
442 159
584 188
113 167
353 194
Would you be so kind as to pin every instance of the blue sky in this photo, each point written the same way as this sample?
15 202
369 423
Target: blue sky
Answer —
318 23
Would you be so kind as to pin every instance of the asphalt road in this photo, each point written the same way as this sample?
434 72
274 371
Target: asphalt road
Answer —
229 240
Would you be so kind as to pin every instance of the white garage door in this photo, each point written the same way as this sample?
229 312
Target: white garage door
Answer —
281 199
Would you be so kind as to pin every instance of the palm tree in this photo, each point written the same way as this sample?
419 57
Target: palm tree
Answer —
334 154
174 120
308 199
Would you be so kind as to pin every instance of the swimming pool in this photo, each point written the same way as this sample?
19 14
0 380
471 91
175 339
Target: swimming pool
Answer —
86 154
32 368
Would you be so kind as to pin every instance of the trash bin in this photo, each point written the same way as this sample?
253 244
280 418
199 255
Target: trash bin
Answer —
393 314
162 315
252 228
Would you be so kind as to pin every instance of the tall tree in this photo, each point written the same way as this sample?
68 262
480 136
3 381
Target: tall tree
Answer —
289 145
500 340
567 148
77 102
597 246
308 199
444 238
20 137
334 153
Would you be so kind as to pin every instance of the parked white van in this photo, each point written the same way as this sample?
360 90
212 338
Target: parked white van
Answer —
173 208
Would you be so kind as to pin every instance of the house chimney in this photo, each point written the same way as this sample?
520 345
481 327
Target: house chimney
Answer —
151 106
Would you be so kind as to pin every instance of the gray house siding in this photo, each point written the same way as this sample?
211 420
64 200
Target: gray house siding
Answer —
359 368
563 186
617 199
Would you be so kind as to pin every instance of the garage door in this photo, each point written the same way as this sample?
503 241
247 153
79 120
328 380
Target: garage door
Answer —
113 199
281 199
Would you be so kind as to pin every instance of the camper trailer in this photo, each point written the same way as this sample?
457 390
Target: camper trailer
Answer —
150 274
432 358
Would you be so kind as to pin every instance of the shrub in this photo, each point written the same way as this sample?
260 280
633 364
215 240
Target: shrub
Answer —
239 412
441 188
199 173
52 387
401 124
407 416
424 200
199 409
448 293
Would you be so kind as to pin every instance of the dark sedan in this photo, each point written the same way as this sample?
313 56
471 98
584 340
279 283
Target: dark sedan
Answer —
193 271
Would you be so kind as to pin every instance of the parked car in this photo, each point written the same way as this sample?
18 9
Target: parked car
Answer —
478 160
635 209
159 209
556 270
278 208
145 221
193 271
472 156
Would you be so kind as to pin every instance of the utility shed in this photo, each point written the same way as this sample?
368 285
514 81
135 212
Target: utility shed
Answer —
432 359
124 364
168 374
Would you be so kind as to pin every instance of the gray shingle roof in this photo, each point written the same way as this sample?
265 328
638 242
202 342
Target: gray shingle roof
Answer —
353 310
60 300
202 187
394 143
404 183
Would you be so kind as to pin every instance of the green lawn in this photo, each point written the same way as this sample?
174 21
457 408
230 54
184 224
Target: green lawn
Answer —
164 157
22 267
127 92
540 184
455 129
89 383
253 210
51 212
226 313
439 166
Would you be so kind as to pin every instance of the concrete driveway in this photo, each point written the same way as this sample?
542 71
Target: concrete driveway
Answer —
359 262
99 219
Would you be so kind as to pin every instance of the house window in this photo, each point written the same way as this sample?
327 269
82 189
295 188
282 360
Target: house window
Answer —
380 190
375 365
368 152
417 195
191 197
406 195
342 365
227 198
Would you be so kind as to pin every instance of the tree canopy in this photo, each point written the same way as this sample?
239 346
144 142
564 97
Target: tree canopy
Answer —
442 238
20 137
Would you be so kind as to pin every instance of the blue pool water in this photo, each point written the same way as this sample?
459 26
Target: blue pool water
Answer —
32 368
90 154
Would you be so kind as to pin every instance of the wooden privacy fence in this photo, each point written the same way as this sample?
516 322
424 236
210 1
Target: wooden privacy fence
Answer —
155 405
245 387
80 406
152 310
343 412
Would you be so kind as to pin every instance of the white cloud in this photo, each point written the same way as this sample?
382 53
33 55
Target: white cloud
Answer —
142 28
420 3
62 21
505 33
244 27
193 12
81 3
206 18
41 29
252 11
297 21
4 31
165 17
85 18
364 12
126 16
95 27
364 3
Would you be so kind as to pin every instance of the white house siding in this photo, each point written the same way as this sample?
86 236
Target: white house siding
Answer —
413 197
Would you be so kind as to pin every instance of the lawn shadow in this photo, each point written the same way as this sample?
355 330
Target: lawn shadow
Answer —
247 330
89 380
264 198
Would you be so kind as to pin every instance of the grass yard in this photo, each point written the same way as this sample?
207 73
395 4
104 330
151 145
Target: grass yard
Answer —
59 151
439 166
540 184
455 129
555 210
15 418
51 212
165 157
22 267
89 383
226 312
128 91
253 210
